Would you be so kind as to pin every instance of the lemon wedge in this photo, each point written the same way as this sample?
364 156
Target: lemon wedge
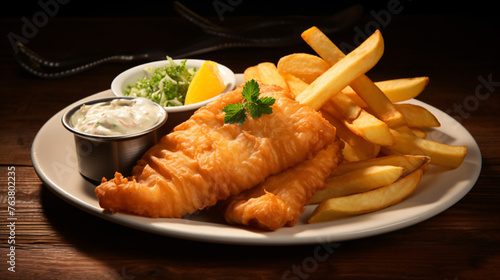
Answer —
206 83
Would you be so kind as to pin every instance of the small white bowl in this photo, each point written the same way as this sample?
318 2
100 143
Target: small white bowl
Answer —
176 114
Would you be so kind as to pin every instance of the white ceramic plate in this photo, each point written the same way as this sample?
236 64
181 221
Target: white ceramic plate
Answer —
54 159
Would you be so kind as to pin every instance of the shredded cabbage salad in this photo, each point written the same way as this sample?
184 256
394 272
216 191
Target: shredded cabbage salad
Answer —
165 85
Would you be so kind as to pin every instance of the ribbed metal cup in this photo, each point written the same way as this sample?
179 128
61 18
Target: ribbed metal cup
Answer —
101 156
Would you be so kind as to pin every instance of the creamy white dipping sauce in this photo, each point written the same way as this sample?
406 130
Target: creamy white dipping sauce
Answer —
117 117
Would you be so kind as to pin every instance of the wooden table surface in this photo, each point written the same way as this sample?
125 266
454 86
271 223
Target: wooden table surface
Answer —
55 240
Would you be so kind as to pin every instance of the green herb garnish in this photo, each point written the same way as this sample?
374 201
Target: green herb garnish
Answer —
237 113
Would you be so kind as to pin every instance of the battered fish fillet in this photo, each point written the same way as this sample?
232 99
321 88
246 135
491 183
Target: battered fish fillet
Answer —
204 160
279 200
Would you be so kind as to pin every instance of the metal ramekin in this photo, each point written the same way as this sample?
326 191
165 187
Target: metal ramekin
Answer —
101 156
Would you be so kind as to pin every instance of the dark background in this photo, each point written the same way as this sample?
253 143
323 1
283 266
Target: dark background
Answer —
129 8
110 13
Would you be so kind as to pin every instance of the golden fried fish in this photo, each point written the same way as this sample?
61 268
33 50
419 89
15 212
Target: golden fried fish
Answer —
205 160
279 200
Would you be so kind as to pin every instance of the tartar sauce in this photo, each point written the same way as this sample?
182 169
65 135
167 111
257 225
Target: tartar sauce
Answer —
117 117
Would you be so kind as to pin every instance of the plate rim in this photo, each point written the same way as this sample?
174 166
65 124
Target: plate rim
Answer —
288 236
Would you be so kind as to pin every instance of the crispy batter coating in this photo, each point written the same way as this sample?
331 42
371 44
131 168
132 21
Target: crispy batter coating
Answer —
204 160
279 200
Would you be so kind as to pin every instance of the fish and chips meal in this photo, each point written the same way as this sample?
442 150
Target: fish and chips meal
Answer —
311 129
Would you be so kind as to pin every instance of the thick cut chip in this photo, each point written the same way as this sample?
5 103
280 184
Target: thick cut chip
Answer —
396 90
358 120
354 153
345 106
266 73
344 72
376 100
304 66
295 85
445 155
418 132
250 73
356 147
417 116
269 75
364 125
371 129
356 204
357 181
409 162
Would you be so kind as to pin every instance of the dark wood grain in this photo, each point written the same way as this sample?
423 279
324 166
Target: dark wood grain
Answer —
55 240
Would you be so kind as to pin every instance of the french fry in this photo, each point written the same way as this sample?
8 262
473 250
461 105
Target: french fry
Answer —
269 75
357 181
410 163
372 129
295 85
356 148
404 129
344 72
322 45
367 120
251 73
417 116
354 153
418 132
344 105
364 124
348 91
304 66
370 201
376 100
445 155
358 120
396 90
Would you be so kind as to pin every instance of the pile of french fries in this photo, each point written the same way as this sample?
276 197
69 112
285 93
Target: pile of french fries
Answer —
385 152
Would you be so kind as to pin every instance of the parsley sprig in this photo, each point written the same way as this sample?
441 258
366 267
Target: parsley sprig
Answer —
237 113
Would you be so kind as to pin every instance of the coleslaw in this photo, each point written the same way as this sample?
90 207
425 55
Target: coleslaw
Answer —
165 85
